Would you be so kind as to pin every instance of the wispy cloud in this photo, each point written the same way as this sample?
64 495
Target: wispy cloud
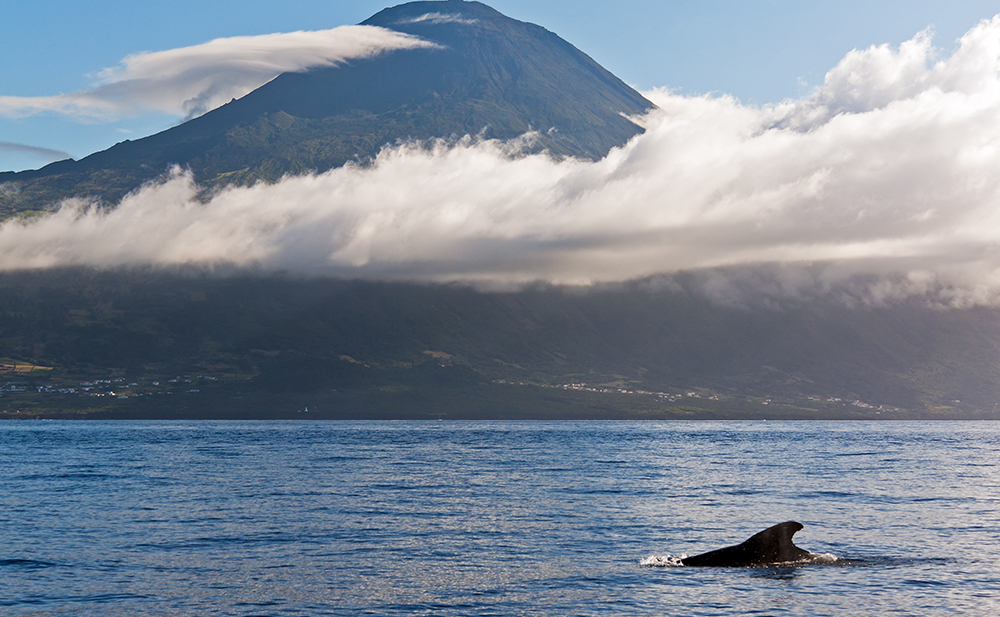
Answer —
35 151
192 80
439 18
887 172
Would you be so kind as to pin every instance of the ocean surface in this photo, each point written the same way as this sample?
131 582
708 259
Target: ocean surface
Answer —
494 518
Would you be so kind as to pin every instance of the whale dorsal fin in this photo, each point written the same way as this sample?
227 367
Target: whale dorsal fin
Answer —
771 546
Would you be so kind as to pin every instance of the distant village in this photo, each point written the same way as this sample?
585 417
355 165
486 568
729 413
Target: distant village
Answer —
118 387
667 396
675 397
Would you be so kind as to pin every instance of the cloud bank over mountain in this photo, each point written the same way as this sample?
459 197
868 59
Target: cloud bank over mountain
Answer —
192 80
887 172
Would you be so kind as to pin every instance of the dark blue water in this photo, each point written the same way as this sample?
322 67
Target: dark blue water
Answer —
452 518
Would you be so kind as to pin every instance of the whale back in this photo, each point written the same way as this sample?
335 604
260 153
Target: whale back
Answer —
771 546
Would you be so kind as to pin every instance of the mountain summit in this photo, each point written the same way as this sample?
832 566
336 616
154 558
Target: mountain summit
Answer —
487 74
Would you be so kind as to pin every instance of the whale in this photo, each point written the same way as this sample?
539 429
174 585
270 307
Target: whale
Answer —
770 547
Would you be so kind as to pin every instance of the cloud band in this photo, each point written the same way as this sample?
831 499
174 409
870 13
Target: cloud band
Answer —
44 153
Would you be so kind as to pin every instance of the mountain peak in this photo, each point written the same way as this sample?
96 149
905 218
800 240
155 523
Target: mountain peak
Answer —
486 74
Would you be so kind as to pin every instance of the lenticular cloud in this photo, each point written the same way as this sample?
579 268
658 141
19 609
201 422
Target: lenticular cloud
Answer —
891 168
193 80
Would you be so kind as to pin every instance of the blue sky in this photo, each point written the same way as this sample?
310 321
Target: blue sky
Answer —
760 51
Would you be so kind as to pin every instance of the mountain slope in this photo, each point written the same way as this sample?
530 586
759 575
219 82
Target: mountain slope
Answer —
490 75
318 338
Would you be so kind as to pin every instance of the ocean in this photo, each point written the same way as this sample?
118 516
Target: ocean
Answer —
494 518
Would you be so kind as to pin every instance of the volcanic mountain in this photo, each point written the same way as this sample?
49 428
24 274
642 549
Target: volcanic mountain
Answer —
486 75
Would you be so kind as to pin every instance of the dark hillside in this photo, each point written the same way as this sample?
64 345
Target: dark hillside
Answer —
296 337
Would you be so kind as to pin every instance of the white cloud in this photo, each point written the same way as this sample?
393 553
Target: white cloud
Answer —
192 80
439 18
886 175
